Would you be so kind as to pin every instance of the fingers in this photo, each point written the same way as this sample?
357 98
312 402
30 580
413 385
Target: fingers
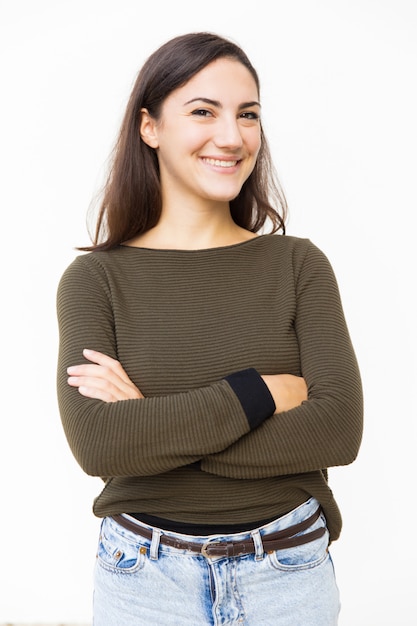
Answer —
106 361
91 388
103 379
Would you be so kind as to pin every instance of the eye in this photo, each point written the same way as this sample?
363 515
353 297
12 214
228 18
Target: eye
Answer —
250 115
201 113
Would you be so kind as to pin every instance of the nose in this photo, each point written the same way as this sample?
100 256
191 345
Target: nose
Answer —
228 133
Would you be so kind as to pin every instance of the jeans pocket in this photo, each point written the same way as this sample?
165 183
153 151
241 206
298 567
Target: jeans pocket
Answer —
117 553
305 556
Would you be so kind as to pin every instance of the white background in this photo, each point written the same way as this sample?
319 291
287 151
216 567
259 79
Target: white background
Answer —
340 103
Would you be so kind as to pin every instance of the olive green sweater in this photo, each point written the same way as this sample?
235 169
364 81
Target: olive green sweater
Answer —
194 329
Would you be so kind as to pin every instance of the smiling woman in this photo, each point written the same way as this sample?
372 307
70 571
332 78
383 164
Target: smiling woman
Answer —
132 201
206 369
207 146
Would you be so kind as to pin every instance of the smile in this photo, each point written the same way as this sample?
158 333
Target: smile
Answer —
220 163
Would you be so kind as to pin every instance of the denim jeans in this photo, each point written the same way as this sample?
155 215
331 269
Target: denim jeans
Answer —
139 582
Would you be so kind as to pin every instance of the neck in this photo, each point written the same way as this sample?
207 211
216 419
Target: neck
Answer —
192 230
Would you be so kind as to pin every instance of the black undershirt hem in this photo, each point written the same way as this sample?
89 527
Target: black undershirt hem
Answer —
187 528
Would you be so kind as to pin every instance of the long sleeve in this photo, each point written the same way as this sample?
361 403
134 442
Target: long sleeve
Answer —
151 435
325 430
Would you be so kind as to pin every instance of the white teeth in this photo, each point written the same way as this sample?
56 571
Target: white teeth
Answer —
220 163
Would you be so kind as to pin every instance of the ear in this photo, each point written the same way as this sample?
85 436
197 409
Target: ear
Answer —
148 129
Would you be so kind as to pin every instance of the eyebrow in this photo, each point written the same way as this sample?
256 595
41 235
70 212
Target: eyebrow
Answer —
218 104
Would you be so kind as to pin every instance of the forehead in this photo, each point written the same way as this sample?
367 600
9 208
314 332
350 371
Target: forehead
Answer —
222 80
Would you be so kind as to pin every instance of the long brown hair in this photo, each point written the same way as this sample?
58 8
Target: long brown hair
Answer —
131 201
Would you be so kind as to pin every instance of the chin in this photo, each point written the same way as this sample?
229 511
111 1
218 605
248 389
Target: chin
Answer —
223 196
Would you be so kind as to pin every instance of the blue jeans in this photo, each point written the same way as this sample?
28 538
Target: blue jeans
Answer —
139 582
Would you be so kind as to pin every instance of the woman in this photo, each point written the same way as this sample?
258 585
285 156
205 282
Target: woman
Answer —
205 370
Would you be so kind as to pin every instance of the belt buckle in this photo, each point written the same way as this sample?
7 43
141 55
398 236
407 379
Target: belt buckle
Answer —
204 547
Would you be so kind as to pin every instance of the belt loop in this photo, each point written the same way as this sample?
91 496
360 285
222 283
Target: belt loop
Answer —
153 550
257 541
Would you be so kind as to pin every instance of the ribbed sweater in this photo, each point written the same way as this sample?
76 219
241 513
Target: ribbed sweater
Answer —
194 330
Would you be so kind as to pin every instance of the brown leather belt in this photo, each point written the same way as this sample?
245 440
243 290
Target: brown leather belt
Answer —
213 549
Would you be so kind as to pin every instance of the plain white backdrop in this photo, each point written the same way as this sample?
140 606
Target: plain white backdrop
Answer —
339 106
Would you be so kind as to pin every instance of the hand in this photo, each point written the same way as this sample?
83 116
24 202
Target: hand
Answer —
287 390
103 379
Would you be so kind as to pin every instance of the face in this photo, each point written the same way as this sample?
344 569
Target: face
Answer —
208 136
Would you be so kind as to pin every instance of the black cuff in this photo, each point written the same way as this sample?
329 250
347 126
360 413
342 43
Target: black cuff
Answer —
253 394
